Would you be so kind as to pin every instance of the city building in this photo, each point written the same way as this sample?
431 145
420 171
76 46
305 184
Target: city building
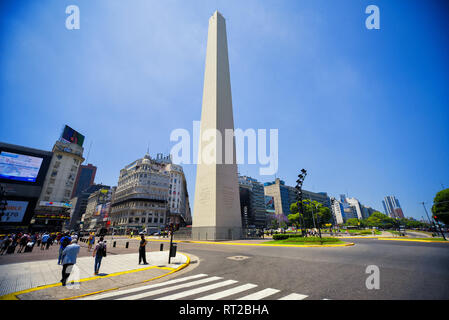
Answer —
338 212
392 207
252 203
53 207
79 205
97 209
141 199
284 196
84 179
22 175
178 198
354 203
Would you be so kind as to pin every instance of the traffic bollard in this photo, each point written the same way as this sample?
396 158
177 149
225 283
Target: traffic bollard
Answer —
162 247
127 245
115 242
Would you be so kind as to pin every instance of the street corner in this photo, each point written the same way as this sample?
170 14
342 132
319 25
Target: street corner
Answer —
111 278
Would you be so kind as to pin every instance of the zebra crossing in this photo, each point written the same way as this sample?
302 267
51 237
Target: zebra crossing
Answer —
198 287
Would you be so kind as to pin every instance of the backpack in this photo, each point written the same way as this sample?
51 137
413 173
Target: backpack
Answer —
65 242
101 250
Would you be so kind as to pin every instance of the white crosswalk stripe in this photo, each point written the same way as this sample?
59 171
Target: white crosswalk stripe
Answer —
121 292
260 294
168 289
198 290
294 296
229 292
196 286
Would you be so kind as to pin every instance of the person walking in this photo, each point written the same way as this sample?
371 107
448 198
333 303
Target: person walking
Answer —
142 245
69 255
64 242
98 254
45 238
5 244
91 242
22 243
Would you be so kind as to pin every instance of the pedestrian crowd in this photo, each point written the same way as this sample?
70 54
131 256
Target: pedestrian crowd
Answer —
68 248
25 242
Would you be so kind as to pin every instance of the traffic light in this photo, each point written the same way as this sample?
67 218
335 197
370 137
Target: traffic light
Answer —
435 217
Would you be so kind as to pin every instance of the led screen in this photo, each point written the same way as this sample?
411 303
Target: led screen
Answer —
72 136
20 167
15 210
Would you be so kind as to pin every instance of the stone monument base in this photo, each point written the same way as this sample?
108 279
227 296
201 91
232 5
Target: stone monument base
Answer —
216 233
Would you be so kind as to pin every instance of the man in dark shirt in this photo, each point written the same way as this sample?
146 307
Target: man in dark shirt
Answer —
64 242
142 245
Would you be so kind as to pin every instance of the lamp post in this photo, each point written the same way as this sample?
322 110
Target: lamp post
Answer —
299 195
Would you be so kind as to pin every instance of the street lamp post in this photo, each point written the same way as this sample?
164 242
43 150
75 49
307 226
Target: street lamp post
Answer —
299 195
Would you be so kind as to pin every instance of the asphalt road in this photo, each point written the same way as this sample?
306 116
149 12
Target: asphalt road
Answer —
408 270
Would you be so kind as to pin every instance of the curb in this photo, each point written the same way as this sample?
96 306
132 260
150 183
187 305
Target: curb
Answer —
13 296
263 244
428 241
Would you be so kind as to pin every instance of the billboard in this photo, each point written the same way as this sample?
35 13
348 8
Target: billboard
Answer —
72 136
15 211
20 167
269 204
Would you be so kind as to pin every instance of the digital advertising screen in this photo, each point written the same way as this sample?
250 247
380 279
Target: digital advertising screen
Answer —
15 211
20 167
72 136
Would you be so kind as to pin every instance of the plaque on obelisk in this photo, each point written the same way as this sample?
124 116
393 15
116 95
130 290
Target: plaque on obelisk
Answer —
216 214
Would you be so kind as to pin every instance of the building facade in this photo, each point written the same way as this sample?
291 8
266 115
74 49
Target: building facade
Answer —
392 207
79 205
53 207
84 179
284 196
22 175
140 201
252 203
97 209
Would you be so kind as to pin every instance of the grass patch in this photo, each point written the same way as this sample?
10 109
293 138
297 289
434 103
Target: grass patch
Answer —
426 239
307 240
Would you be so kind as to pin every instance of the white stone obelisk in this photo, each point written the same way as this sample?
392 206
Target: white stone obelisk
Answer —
216 214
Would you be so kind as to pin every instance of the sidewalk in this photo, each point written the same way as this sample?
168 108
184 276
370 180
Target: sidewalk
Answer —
40 279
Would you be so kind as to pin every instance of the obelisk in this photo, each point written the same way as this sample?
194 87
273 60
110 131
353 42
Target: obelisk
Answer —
216 214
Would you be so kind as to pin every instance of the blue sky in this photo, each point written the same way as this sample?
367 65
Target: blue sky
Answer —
364 111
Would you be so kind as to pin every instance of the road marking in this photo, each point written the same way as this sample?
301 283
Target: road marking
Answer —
229 292
116 293
198 290
260 294
294 296
164 290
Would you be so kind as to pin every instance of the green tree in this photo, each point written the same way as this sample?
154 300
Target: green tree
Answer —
321 214
352 222
440 206
380 220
